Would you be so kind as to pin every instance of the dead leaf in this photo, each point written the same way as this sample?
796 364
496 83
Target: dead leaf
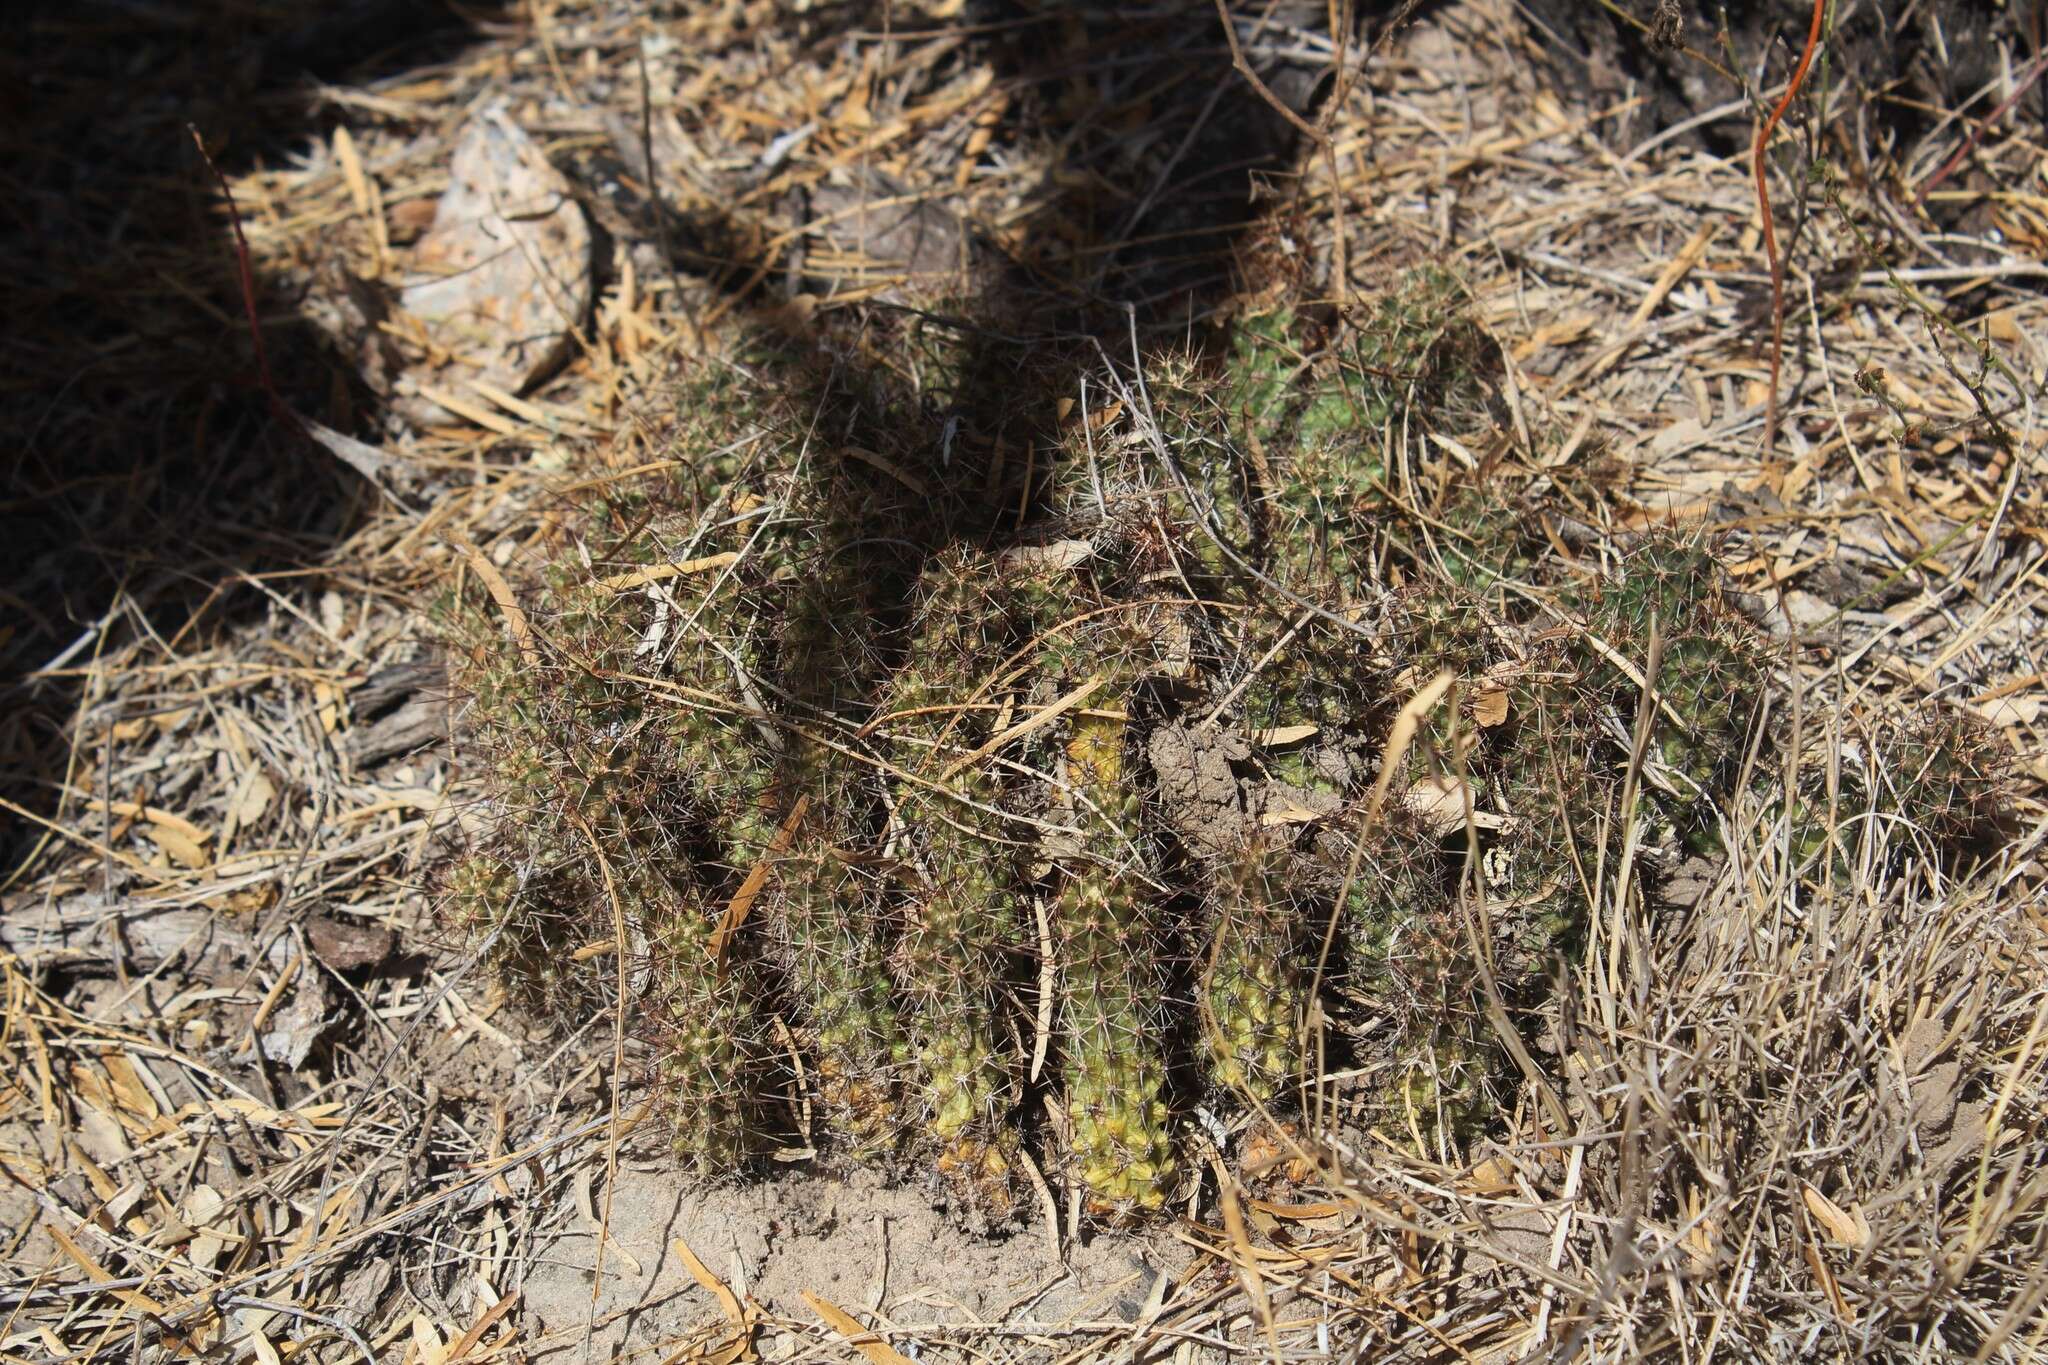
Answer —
857 1336
1495 1175
2010 711
1300 1213
1489 707
1053 556
1685 432
1286 812
200 1210
489 1318
1280 735
1850 1229
299 1025
177 846
345 945
1104 415
128 1088
640 578
252 799
735 1311
1402 734
1819 1266
1440 803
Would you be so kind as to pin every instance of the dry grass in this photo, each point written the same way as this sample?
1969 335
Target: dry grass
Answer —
1797 1130
1801 1118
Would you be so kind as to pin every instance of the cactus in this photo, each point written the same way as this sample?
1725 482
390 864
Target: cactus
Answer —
1406 957
580 762
497 898
712 1049
659 738
1943 777
833 934
1951 775
1106 921
962 923
1707 677
1419 340
838 963
1314 681
1115 1067
1255 986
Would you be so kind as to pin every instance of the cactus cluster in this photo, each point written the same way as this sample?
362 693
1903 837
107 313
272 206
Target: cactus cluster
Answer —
844 743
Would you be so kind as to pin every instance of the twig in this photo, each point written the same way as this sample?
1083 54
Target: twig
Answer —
1763 200
247 275
1947 168
1244 69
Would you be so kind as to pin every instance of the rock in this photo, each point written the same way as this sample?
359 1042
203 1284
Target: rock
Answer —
866 230
295 1028
352 312
1197 788
1796 612
503 277
345 945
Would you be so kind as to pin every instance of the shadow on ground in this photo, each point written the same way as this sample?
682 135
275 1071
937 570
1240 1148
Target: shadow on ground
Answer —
149 487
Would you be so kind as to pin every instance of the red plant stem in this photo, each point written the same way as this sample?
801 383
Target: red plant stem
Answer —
248 279
1763 199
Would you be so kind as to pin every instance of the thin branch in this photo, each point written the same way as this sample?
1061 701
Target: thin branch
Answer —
1763 200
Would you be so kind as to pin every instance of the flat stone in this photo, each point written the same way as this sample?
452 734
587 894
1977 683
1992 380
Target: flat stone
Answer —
503 279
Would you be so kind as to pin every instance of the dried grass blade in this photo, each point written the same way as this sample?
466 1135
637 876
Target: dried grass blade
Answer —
857 1336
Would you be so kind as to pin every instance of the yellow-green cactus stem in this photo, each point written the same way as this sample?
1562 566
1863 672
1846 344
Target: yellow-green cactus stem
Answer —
710 1036
837 964
1254 987
1408 957
829 912
1709 672
961 921
962 925
1439 1085
1106 927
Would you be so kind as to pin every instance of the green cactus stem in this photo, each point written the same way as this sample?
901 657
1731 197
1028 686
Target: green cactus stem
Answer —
1107 946
1256 985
